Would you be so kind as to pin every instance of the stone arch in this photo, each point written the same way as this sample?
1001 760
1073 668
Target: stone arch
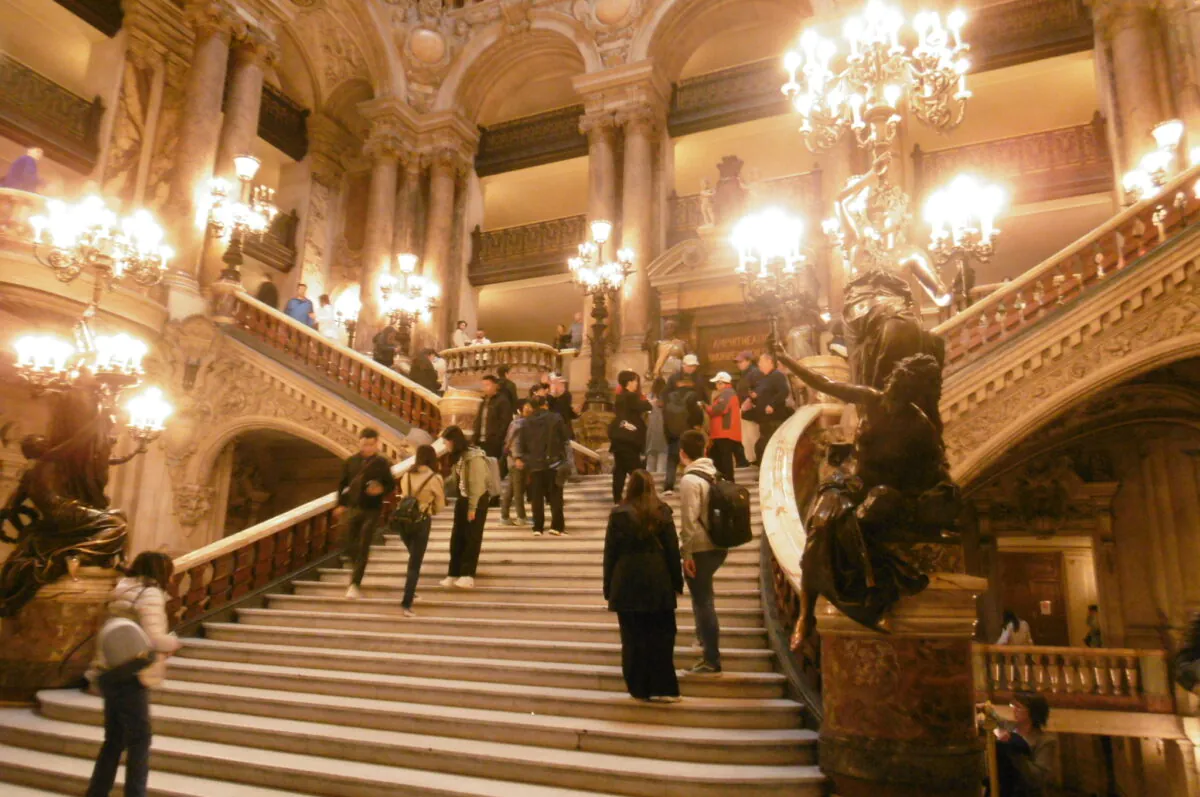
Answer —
200 464
676 29
495 59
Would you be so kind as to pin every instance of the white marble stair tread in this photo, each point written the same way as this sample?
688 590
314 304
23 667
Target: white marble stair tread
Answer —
451 688
486 753
307 768
13 790
503 594
573 732
61 768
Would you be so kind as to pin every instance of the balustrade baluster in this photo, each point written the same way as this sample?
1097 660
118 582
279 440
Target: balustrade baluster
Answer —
1054 672
1100 674
1115 675
1039 672
996 668
1039 297
1070 678
1131 675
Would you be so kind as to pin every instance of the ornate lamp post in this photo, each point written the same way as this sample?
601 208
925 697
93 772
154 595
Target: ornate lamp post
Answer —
409 299
963 219
772 266
346 307
250 214
602 280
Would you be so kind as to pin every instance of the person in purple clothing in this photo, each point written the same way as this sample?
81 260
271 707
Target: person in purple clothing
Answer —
23 173
300 307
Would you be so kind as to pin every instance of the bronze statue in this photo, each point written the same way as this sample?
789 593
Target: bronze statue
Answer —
69 517
670 353
895 488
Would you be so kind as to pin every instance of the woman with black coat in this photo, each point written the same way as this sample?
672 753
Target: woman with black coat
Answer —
642 576
627 432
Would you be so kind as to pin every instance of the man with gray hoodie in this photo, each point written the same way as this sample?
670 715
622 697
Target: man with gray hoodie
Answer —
701 558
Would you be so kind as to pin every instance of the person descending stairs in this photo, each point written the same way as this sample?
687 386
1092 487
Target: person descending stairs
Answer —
510 689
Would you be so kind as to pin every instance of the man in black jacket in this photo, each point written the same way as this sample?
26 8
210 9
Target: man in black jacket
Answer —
560 402
507 386
366 481
747 383
491 424
770 401
543 442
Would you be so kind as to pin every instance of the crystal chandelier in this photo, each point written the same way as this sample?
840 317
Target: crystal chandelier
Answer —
963 221
1156 167
772 265
409 299
87 235
250 214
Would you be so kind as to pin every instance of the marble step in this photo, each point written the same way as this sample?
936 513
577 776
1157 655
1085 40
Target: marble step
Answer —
534 555
603 654
543 630
529 673
385 575
759 713
730 618
503 761
504 567
636 739
40 771
429 589
281 772
525 542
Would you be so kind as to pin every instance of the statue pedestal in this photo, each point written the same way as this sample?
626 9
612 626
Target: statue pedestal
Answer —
459 408
900 707
46 645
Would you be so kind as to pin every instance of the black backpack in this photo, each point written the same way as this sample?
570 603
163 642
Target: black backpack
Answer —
728 523
678 412
407 516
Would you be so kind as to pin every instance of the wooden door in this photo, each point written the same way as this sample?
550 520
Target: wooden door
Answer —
1032 585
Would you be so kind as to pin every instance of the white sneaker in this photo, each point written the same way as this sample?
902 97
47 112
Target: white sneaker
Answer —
466 582
353 593
448 581
668 492
407 613
555 533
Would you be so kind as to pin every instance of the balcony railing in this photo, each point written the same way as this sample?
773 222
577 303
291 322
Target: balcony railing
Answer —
799 192
1068 276
277 248
1051 164
466 366
1107 679
35 110
531 141
530 250
299 344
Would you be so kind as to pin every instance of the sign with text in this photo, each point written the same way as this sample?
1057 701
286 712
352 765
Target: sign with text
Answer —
720 344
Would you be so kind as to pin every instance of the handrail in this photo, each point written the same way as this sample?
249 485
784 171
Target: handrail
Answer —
511 344
235 564
587 461
411 401
1093 257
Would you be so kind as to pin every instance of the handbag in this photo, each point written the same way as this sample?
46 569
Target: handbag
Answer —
126 647
622 431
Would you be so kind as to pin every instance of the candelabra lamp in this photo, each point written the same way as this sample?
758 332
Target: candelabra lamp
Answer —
409 299
772 267
346 309
250 214
87 236
602 280
963 221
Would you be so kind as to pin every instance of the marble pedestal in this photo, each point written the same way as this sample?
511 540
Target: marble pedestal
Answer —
49 643
459 407
899 707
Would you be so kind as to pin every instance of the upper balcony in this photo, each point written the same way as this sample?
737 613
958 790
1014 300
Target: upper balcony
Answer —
36 111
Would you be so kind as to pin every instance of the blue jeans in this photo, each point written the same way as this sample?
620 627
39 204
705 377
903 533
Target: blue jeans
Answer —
672 463
126 729
704 607
416 556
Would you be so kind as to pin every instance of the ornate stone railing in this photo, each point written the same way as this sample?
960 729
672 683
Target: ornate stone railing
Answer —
729 96
800 192
1066 278
283 124
529 250
466 366
277 248
531 141
34 107
788 480
216 576
1113 679
1051 164
304 346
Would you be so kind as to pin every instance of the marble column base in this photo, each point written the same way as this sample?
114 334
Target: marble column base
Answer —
183 296
49 643
899 707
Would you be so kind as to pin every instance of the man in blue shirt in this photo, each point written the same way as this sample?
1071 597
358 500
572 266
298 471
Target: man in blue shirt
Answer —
301 308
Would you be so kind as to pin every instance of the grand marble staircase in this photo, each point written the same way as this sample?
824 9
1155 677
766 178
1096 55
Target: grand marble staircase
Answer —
511 688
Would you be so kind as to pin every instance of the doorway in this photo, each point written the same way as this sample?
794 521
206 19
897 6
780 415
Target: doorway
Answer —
1033 586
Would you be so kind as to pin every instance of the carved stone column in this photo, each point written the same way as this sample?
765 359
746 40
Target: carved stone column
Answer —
384 148
899 707
445 166
214 23
405 234
643 124
1128 38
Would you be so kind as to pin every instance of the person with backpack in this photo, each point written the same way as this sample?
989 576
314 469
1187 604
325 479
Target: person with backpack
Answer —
642 576
366 480
627 432
683 409
139 598
422 495
725 425
701 556
477 478
543 445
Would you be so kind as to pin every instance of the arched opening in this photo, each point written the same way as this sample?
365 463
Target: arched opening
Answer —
262 473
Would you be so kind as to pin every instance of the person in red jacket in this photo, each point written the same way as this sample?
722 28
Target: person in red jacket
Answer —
725 425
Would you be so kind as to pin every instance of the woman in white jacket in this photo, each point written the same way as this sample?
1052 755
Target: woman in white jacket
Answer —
140 597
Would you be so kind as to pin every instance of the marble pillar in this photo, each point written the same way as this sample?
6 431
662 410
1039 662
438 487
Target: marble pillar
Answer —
405 237
384 149
642 125
444 166
900 707
214 24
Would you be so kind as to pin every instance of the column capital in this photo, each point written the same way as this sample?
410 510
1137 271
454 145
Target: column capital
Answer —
214 18
597 123
447 158
255 46
1112 16
642 117
385 141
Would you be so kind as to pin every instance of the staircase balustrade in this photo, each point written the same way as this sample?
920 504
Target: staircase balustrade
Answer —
467 365
1063 280
1119 679
303 345
16 208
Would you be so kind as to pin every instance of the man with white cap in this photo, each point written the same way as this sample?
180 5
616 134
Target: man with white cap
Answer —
725 425
682 403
